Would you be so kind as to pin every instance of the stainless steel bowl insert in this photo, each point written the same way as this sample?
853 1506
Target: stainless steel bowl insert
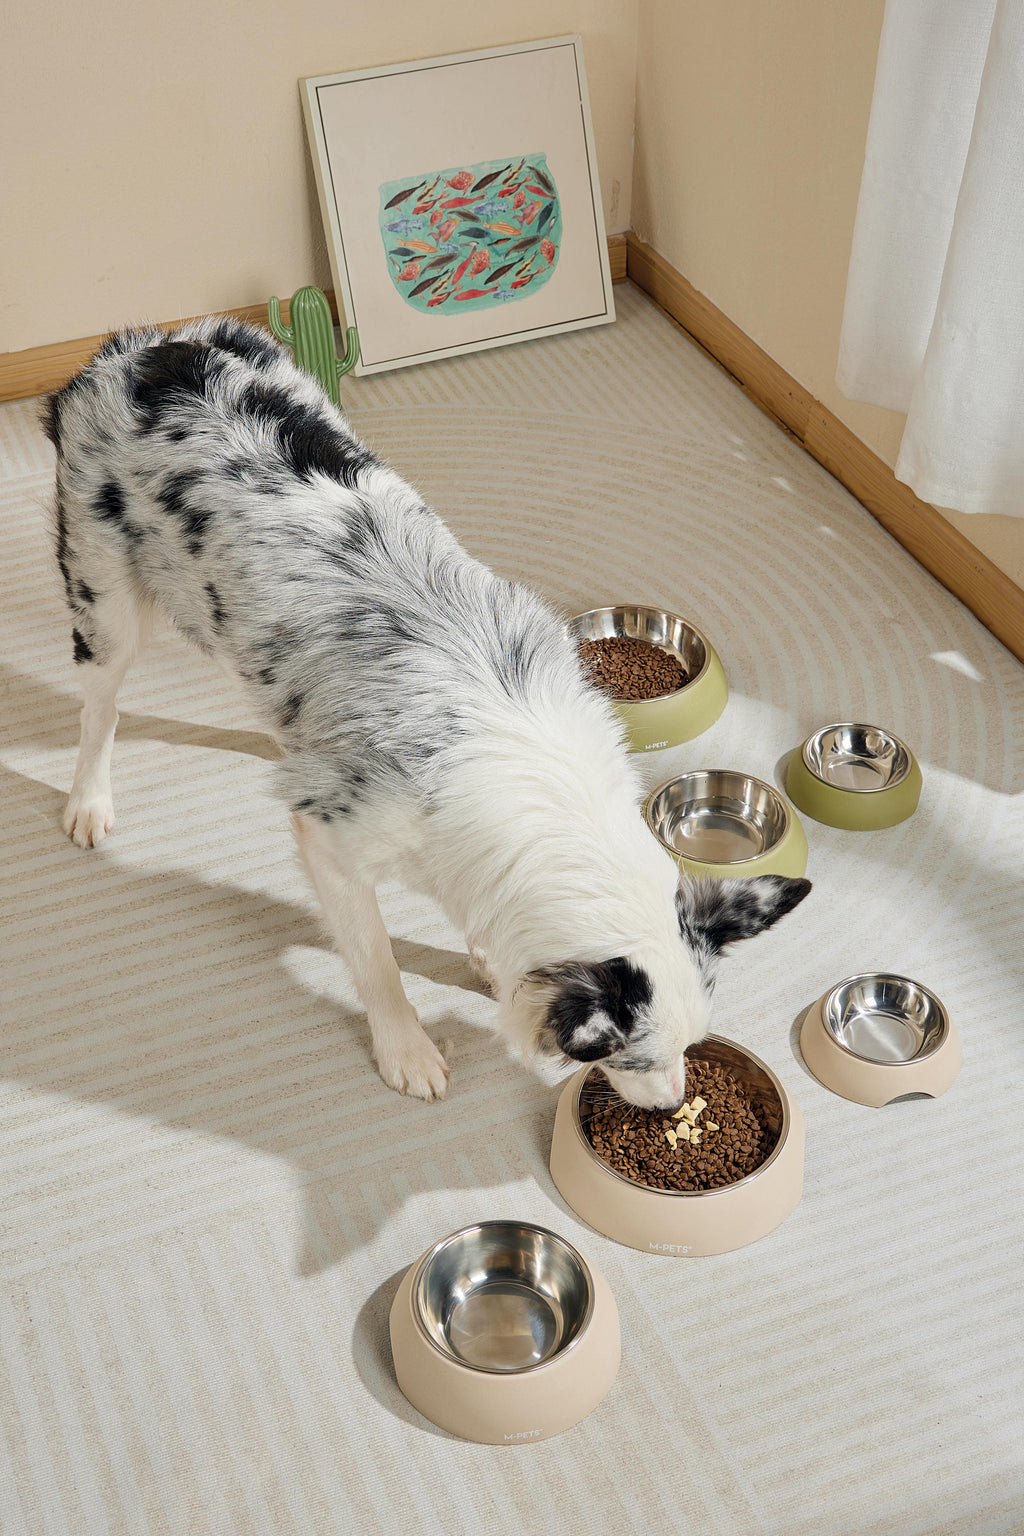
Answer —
758 1082
654 625
718 816
885 1018
503 1296
861 758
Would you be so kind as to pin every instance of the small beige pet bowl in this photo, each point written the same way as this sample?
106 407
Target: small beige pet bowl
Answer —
676 717
679 1222
858 777
875 1037
719 822
503 1334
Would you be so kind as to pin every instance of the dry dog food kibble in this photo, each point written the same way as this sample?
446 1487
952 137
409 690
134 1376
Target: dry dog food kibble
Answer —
717 1137
631 669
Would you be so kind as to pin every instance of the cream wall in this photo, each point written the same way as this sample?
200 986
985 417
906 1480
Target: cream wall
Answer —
154 155
155 161
751 117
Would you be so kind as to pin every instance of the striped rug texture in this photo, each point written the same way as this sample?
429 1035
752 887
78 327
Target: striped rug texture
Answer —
207 1197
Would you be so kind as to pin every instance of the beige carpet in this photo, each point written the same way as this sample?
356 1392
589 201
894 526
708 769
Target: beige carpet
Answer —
207 1195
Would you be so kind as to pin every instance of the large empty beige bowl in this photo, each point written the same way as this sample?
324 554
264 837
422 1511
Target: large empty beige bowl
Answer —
503 1333
676 717
877 1036
682 1223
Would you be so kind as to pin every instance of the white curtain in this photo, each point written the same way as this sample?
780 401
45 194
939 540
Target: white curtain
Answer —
934 317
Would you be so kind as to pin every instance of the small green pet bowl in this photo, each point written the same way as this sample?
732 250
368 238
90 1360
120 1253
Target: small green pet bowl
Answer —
719 822
676 717
858 777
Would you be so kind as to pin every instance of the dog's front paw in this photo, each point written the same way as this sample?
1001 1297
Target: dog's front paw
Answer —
88 818
413 1065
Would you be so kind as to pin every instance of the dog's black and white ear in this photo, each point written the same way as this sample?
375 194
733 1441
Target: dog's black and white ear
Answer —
586 1011
715 913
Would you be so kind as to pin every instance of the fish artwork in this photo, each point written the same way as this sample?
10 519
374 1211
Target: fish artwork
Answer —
472 236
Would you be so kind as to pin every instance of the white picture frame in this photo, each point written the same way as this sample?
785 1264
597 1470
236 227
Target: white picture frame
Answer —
496 232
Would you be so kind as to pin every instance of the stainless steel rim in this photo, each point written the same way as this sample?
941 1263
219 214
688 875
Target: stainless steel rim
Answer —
828 1010
482 1226
579 621
771 792
905 756
695 1194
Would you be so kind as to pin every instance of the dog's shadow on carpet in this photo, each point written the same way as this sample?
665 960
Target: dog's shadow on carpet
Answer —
47 716
154 993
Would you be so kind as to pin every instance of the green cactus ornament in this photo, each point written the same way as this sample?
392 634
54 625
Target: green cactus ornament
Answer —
311 338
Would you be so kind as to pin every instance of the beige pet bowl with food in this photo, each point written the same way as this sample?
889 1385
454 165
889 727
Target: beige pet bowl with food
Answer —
878 1036
679 1222
502 1333
719 822
675 717
858 777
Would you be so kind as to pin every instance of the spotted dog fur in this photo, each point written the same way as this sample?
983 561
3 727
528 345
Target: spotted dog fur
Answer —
433 718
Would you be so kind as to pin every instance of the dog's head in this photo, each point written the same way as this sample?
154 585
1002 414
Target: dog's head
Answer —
637 1015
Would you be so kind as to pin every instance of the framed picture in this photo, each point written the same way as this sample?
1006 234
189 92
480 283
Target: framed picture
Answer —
461 202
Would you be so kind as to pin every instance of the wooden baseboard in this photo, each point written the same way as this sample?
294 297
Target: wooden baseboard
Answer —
986 590
39 369
618 257
942 549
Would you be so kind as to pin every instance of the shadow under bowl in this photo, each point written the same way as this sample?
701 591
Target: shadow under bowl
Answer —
877 1036
857 777
502 1333
682 1222
653 724
721 822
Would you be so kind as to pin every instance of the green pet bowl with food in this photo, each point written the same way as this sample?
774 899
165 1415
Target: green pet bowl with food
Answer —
690 695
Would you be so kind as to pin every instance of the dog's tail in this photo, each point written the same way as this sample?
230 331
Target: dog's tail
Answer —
251 344
119 342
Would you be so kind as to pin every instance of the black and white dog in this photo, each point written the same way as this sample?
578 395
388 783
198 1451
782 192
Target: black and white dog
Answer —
433 717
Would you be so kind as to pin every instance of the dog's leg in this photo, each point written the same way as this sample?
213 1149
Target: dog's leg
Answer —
406 1057
107 635
482 966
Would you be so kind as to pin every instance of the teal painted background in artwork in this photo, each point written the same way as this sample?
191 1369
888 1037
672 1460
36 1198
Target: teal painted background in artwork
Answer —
472 236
